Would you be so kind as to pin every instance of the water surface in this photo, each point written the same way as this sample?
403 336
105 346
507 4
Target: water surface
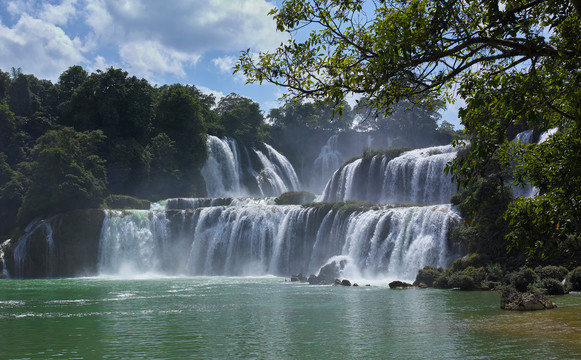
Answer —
266 318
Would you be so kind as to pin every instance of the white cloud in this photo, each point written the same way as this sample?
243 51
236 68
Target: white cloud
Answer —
150 38
225 64
38 47
147 58
58 14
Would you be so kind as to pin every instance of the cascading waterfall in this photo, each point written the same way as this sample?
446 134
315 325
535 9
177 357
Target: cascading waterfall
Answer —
277 175
416 177
277 240
222 170
22 252
328 160
3 246
229 166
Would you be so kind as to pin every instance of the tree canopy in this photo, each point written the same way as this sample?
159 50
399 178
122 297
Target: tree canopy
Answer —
515 63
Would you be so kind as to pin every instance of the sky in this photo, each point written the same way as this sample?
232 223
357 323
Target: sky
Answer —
193 42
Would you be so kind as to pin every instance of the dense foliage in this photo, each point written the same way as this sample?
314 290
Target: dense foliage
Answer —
516 64
71 144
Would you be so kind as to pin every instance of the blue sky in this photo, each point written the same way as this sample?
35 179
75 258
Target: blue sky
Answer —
171 41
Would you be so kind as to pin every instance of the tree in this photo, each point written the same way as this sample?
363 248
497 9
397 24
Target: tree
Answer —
313 115
68 174
181 136
515 63
241 118
70 80
120 105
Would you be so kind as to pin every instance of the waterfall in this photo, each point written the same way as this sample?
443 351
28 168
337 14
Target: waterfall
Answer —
524 136
3 246
22 253
222 170
277 240
277 175
416 176
328 160
230 170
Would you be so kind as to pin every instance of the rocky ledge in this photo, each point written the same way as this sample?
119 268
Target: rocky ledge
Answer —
516 301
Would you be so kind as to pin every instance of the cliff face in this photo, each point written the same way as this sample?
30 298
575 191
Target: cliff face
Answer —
65 245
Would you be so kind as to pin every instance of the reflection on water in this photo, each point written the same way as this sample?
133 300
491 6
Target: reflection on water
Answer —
266 318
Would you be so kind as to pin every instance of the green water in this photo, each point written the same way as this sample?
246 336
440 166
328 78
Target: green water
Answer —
266 318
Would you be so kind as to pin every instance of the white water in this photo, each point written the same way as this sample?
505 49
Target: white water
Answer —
416 177
21 251
275 240
328 160
226 171
3 246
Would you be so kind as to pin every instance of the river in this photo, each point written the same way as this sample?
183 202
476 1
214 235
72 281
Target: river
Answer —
268 318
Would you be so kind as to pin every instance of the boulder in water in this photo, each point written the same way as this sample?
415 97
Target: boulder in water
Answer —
298 278
400 285
328 273
517 301
345 282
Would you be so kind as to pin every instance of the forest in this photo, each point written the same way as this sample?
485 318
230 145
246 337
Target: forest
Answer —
78 142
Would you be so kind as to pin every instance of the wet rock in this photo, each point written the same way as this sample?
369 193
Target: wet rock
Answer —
517 301
298 278
345 282
400 285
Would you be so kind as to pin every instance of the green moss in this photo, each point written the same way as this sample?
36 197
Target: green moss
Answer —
125 202
344 208
294 198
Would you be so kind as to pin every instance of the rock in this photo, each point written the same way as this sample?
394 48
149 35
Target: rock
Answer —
346 282
328 273
313 280
355 284
298 278
73 251
516 301
422 285
400 285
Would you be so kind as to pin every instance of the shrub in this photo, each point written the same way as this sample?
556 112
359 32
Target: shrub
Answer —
428 275
126 202
523 278
552 272
442 282
461 281
490 285
494 273
474 260
574 280
551 286
477 274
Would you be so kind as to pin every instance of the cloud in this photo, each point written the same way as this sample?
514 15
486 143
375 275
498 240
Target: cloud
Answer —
194 26
225 64
150 38
59 14
39 47
148 58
